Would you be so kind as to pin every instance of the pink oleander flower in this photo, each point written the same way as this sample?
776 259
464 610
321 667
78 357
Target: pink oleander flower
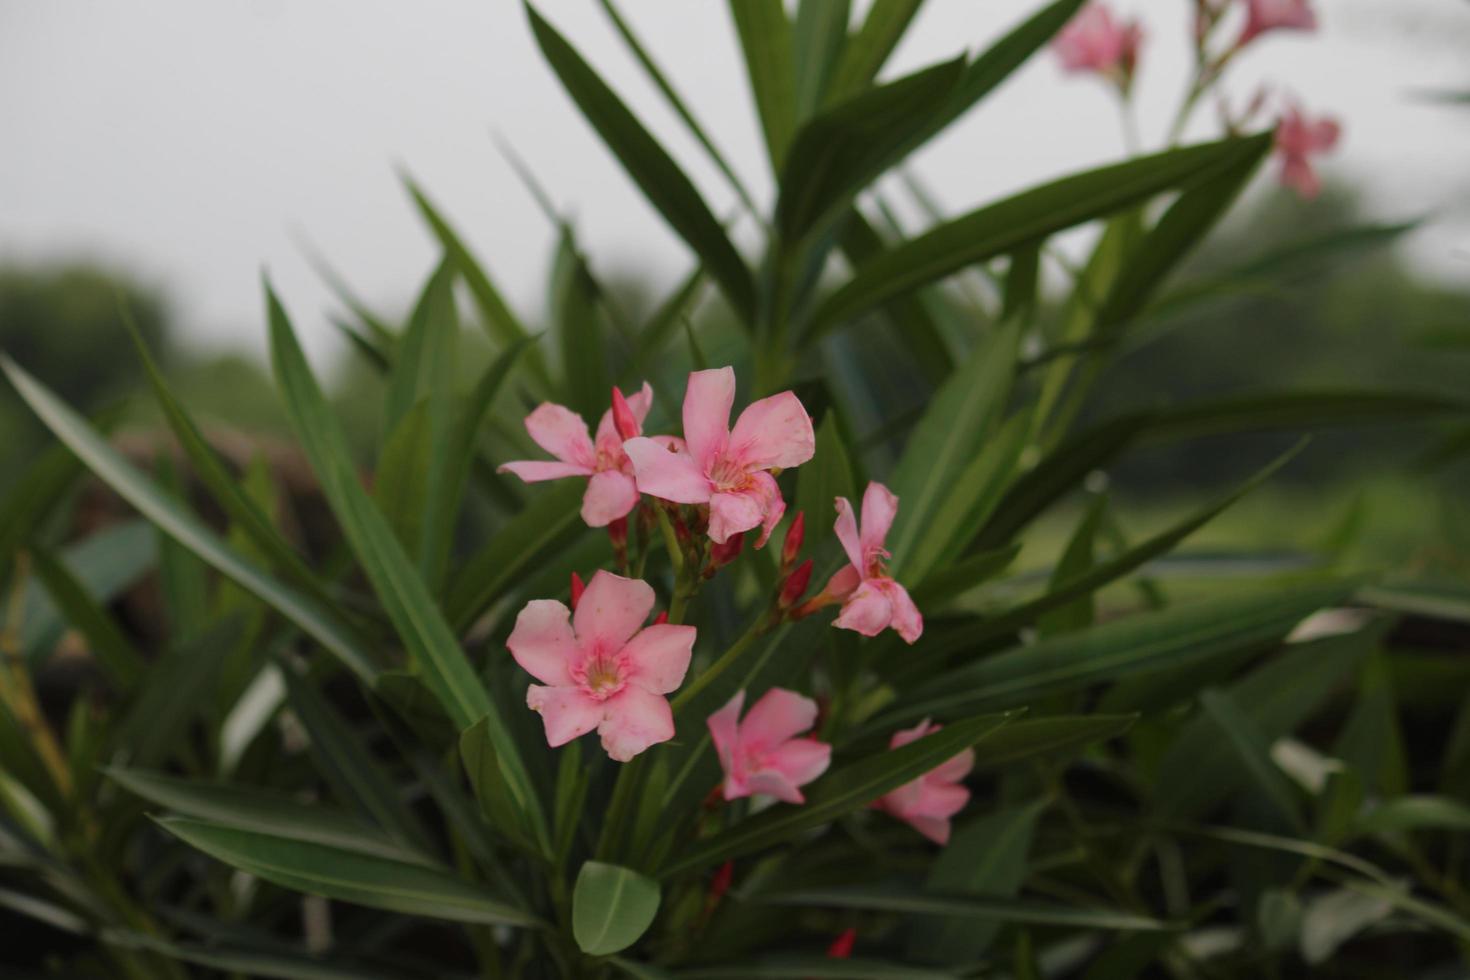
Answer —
728 469
763 754
601 667
928 803
1298 139
1093 41
612 491
1270 15
871 601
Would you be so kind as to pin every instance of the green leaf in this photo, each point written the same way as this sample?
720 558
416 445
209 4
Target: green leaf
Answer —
111 648
245 962
313 618
813 967
1189 633
963 575
822 480
348 876
399 587
175 691
611 907
40 487
978 908
869 48
817 40
478 751
548 522
250 808
1412 813
946 441
651 168
1077 560
104 565
765 40
575 314
1020 220
846 147
840 791
1253 750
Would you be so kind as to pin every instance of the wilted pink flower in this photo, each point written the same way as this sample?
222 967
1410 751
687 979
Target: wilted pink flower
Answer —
762 753
871 601
600 669
1093 41
611 492
1298 139
727 469
928 802
1270 15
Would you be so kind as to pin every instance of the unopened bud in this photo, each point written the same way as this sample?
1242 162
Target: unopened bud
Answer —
577 588
841 947
661 618
723 554
795 534
623 418
795 585
720 883
617 533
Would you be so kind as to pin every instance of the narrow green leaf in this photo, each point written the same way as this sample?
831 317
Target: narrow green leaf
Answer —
348 876
611 907
824 479
175 691
840 791
478 752
112 649
869 48
817 40
313 618
1015 222
1253 750
651 168
1077 560
104 565
1414 813
968 573
770 65
246 962
574 312
968 907
813 967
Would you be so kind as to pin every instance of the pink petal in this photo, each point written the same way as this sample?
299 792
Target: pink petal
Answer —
867 611
634 720
953 770
611 610
707 404
940 800
607 431
879 508
773 504
561 432
566 712
773 432
610 494
730 513
659 656
933 828
905 736
847 532
543 642
778 716
1324 134
1298 174
771 782
801 760
669 476
724 731
535 470
907 619
842 583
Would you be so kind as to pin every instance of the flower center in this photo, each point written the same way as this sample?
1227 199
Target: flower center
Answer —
729 476
876 565
600 675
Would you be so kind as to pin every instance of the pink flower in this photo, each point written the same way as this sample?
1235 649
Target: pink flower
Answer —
1093 41
871 601
728 469
600 669
611 492
1269 15
1298 139
928 802
762 753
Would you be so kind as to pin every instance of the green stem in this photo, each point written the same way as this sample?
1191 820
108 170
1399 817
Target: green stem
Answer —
714 670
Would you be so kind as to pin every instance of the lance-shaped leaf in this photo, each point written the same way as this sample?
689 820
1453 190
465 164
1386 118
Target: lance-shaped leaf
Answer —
967 907
764 30
1029 216
611 907
650 166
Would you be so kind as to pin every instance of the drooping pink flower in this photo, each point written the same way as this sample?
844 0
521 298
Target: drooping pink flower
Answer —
1094 41
871 601
1270 15
728 469
601 667
763 754
611 490
928 803
1298 139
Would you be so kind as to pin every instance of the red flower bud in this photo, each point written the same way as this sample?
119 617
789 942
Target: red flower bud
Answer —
841 947
795 534
721 555
661 618
577 586
795 585
721 882
623 418
617 532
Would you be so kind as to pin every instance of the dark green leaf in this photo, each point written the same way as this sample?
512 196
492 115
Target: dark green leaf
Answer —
1252 750
765 40
869 48
984 909
611 907
112 649
817 40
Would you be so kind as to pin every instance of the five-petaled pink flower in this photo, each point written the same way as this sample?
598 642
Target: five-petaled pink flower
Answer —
1270 15
602 668
1298 139
611 492
1093 41
928 803
728 469
871 601
763 754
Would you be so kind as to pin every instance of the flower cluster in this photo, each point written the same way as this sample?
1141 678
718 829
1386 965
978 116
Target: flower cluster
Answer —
1097 42
600 668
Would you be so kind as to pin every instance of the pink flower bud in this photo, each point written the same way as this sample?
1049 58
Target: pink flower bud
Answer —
661 618
795 534
841 947
795 585
577 588
723 554
720 883
623 417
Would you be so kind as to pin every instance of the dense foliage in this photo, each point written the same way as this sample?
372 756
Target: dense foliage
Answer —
348 730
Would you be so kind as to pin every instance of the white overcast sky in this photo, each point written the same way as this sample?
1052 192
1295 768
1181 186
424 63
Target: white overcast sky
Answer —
194 142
